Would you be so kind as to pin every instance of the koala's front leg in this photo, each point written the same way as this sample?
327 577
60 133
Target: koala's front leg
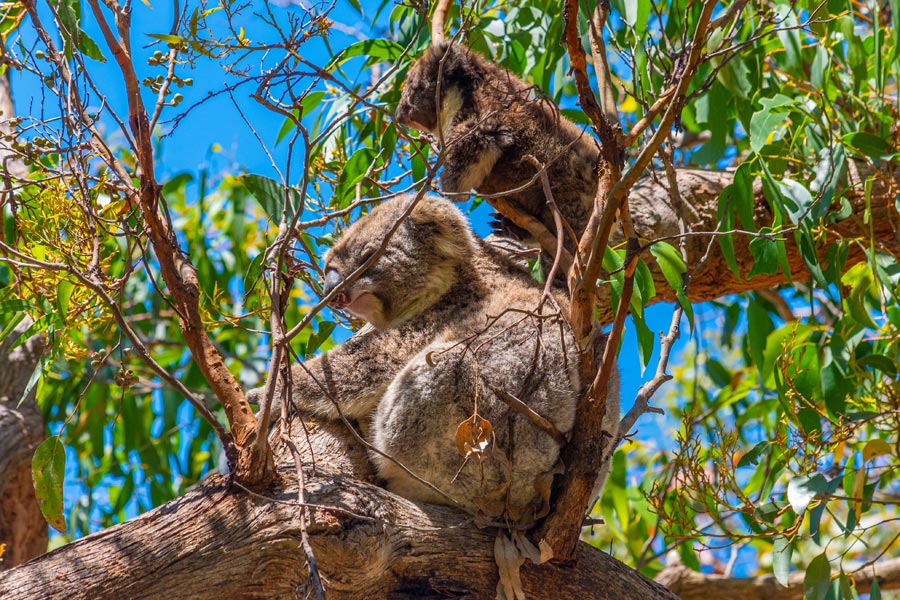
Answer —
352 377
472 148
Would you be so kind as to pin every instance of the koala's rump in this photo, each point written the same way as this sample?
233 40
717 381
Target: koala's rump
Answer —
418 418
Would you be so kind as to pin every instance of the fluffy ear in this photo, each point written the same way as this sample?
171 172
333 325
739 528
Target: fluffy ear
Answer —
439 49
449 228
447 53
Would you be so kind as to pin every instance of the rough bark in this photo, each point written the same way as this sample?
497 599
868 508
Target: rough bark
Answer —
654 217
691 585
22 528
216 542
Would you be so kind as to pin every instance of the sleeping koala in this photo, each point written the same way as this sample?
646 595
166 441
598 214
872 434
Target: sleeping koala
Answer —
453 327
488 120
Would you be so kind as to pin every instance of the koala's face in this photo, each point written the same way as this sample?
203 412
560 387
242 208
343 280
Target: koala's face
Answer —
418 107
417 266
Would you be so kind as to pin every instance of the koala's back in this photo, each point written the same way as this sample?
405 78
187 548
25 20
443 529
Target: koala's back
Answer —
498 344
537 128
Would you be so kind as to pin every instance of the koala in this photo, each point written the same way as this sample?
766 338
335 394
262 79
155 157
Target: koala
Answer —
488 120
453 327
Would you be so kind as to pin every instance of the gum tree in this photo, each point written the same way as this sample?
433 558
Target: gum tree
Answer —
748 160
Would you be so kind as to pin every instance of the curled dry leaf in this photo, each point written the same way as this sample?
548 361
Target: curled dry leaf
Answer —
473 437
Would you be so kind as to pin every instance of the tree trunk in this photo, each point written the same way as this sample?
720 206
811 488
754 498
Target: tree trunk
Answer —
22 527
219 542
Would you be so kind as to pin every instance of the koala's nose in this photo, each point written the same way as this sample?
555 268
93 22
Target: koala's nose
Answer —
332 280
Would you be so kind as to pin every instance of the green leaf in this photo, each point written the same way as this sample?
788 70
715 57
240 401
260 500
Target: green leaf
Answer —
63 294
646 340
767 123
782 551
168 38
810 256
817 579
119 497
790 38
875 591
880 362
316 340
735 76
868 145
757 452
803 488
35 375
836 387
271 196
673 269
759 326
307 105
829 171
765 256
636 15
797 200
859 278
379 50
48 468
88 46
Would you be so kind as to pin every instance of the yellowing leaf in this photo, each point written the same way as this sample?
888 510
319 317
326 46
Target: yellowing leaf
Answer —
48 467
629 105
839 452
875 448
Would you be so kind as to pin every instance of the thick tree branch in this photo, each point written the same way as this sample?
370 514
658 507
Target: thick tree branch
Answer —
439 20
215 543
691 585
655 217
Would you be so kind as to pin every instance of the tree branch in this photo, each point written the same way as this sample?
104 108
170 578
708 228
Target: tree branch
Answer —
691 585
180 275
210 544
439 20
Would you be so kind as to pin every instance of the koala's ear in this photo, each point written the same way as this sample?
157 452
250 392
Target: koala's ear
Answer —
440 48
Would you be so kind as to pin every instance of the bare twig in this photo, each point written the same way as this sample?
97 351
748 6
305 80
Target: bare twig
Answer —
527 412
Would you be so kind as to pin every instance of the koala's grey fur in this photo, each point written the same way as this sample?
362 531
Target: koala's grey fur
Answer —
452 320
488 121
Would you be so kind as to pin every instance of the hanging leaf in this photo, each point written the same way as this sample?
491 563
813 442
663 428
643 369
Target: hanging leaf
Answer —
48 468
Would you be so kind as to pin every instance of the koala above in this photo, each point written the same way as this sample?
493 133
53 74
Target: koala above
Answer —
453 325
488 120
